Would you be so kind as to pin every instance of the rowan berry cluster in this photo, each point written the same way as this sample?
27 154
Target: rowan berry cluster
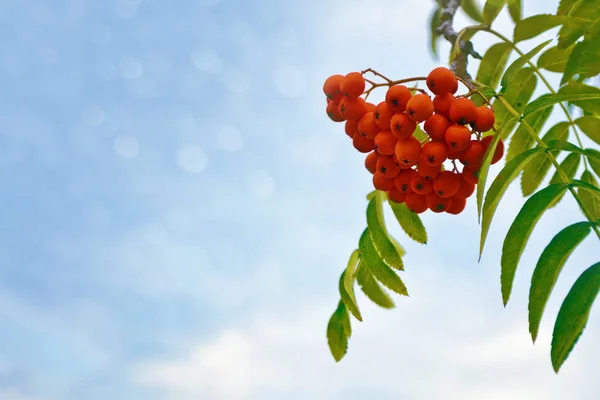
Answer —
409 170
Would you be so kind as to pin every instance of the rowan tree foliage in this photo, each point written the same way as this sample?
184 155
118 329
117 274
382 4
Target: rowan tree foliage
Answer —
430 143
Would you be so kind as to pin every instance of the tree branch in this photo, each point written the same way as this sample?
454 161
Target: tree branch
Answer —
446 29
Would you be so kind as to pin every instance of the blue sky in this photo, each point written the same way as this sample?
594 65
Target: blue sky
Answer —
177 209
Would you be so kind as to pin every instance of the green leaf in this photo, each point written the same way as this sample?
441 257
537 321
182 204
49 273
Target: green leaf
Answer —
493 63
569 165
434 37
398 247
582 16
381 240
594 160
590 201
378 268
419 134
487 159
346 285
536 171
517 94
499 186
520 230
574 314
584 96
590 125
584 60
491 9
370 195
372 289
591 188
549 266
554 59
410 222
533 26
471 8
338 332
565 7
487 93
514 8
522 140
518 64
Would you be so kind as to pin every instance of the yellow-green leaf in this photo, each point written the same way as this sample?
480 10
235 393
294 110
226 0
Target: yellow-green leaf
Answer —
590 125
346 285
517 94
583 15
514 8
434 37
520 230
338 332
584 60
535 172
535 25
471 8
493 63
554 59
521 139
381 240
584 96
378 268
419 134
594 159
410 222
569 165
589 200
518 64
549 266
372 289
574 314
491 9
499 186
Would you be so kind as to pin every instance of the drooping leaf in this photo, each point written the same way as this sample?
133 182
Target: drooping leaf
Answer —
499 186
535 25
487 159
491 9
589 200
372 289
493 63
514 8
590 125
569 165
520 230
517 94
346 285
378 268
516 66
554 59
594 159
338 332
434 37
410 222
549 266
584 60
522 139
584 96
574 314
536 171
381 239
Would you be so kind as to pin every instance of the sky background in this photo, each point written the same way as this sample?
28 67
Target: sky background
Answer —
177 209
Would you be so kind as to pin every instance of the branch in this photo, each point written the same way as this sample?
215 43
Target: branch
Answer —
446 29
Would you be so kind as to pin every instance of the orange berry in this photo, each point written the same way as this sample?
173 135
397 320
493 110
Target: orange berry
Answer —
419 107
457 137
427 171
420 185
382 183
438 204
454 87
396 196
383 115
434 153
371 161
442 102
363 144
484 119
333 112
436 126
331 87
402 125
498 153
463 111
473 156
408 151
370 107
465 190
470 174
367 126
457 206
352 85
417 203
402 181
351 128
441 80
388 167
397 97
352 108
454 154
446 184
385 143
